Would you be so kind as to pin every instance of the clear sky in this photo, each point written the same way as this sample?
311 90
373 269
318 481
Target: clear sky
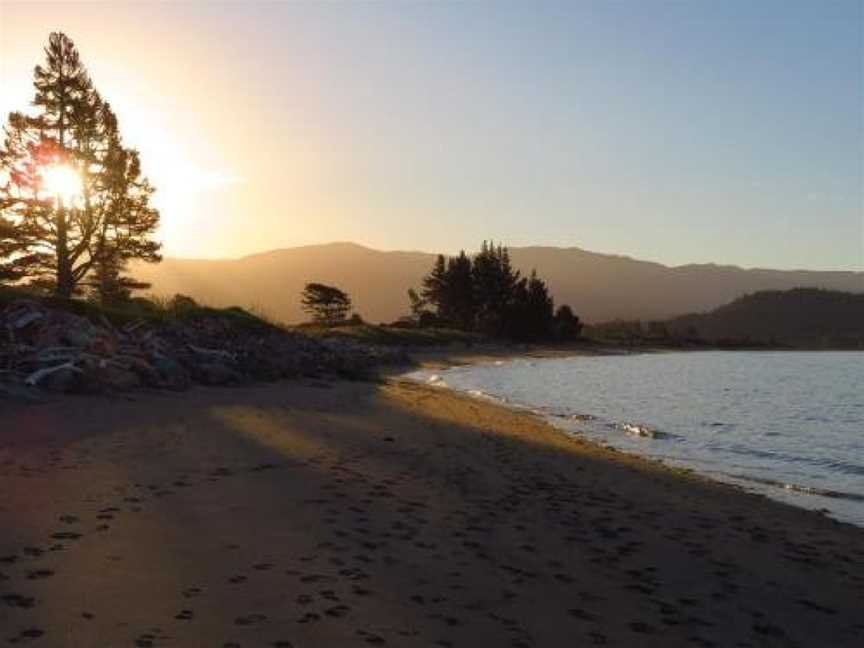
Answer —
688 131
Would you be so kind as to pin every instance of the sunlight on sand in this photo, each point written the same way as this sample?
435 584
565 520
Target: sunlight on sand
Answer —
269 429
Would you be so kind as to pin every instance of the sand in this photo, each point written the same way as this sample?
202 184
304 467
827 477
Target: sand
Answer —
360 514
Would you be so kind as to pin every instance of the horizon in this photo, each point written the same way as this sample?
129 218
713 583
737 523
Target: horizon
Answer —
674 134
472 251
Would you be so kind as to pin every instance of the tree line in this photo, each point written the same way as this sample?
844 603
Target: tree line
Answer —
77 236
485 294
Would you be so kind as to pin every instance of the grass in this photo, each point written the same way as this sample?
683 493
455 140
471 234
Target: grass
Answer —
157 309
151 309
391 335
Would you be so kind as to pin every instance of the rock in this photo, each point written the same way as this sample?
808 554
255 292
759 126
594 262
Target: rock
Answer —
69 381
171 374
215 373
117 379
47 349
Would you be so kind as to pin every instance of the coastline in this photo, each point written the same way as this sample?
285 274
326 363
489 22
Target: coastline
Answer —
391 513
447 357
764 487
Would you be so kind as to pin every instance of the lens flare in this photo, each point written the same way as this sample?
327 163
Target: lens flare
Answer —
62 182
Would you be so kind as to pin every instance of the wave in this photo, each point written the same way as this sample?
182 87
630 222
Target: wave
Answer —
795 438
437 381
801 488
788 458
479 393
641 431
566 415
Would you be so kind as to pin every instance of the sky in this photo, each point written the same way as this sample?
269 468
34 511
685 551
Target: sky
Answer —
681 132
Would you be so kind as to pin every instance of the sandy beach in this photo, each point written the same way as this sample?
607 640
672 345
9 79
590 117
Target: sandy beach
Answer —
316 513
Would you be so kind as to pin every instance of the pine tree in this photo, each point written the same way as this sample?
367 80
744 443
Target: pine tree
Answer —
435 285
494 283
109 286
60 240
541 308
486 294
459 292
9 270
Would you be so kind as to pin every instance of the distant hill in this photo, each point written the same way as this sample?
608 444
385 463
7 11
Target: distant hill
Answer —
599 286
804 317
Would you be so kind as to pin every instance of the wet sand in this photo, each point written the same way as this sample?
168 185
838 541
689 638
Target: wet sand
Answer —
359 514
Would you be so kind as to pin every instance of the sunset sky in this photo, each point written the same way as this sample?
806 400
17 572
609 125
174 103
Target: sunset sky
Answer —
680 132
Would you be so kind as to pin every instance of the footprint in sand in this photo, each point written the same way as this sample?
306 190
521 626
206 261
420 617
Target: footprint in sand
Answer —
337 611
27 635
309 617
38 574
18 601
373 639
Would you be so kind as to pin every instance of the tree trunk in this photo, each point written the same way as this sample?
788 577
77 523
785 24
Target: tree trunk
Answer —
65 283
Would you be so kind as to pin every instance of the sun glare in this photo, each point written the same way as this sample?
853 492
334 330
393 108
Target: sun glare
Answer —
62 182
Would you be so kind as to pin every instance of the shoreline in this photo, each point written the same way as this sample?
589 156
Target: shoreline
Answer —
747 485
353 513
615 455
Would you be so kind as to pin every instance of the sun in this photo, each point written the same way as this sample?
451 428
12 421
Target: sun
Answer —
62 182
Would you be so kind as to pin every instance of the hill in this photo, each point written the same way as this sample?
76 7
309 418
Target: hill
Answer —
599 286
802 318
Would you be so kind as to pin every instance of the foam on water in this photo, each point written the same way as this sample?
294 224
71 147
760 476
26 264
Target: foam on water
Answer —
787 424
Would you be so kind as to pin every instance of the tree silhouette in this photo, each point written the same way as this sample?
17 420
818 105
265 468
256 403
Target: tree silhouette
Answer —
460 295
326 304
485 293
418 307
495 281
434 290
64 241
567 325
108 286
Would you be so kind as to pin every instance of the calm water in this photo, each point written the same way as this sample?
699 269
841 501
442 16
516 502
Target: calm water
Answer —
786 424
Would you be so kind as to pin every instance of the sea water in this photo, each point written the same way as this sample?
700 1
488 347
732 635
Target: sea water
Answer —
789 425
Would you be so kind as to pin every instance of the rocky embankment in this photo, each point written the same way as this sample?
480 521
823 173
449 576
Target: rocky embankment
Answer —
46 349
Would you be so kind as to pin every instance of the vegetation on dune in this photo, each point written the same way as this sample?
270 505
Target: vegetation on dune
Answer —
393 335
151 309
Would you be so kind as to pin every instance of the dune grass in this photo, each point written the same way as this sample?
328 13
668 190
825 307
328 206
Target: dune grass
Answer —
151 309
391 335
156 309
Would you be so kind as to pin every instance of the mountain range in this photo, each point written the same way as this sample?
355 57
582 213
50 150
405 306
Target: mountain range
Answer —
599 287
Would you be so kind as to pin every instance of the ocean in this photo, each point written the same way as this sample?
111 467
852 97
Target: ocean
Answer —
789 425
